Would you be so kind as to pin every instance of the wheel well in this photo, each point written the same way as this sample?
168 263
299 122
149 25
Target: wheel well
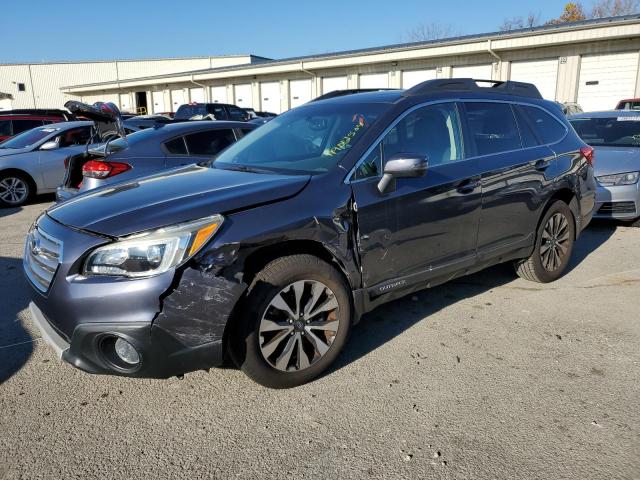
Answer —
567 196
22 173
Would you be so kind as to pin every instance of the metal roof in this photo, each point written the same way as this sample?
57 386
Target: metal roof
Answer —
388 48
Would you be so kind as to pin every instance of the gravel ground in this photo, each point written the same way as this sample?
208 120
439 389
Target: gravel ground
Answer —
488 376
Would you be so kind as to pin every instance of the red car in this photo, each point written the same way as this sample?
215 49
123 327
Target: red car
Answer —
13 122
629 104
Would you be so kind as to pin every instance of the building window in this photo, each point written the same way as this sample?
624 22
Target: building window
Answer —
21 87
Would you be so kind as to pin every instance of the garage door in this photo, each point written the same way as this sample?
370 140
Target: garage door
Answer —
158 102
125 102
606 79
374 80
331 84
244 95
177 99
479 72
542 73
411 78
219 94
270 97
300 92
196 95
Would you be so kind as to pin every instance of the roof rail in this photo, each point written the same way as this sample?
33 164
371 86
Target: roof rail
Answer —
508 87
349 91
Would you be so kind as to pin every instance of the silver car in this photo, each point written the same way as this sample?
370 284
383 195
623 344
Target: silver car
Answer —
34 161
616 138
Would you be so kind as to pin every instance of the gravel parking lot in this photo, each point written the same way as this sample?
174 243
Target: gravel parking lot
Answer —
486 377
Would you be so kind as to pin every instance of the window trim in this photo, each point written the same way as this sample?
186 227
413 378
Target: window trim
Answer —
348 177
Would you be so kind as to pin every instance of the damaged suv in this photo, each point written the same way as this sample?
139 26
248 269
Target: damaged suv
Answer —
271 252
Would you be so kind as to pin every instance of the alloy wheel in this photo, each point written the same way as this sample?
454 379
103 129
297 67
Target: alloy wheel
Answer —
299 325
13 190
555 242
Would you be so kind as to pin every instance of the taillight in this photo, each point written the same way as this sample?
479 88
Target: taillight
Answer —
587 153
97 169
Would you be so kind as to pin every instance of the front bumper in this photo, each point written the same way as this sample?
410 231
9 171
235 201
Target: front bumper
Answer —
621 203
176 321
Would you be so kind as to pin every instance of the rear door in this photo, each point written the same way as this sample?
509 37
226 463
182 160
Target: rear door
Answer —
427 226
512 176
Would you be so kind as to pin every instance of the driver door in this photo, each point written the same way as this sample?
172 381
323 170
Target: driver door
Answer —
426 226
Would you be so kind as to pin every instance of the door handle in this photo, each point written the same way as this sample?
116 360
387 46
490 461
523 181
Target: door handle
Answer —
542 165
468 186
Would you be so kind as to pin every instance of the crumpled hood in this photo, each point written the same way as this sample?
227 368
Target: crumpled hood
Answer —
13 151
610 160
171 197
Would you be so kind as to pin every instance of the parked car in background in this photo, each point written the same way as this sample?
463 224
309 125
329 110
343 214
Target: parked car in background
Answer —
275 249
217 111
629 104
616 138
140 122
256 114
33 162
570 108
148 151
14 122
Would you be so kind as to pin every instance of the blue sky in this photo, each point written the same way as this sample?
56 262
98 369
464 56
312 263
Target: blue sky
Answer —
39 30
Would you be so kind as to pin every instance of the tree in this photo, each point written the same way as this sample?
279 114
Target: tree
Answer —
431 31
613 8
515 23
573 12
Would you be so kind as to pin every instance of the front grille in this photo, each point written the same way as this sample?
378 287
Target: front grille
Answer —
612 208
42 255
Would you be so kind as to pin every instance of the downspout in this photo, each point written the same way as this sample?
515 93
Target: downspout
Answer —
494 54
302 69
204 89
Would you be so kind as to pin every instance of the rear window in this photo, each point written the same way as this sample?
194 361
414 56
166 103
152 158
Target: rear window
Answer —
547 127
237 114
20 126
209 142
28 138
185 112
623 131
5 128
493 127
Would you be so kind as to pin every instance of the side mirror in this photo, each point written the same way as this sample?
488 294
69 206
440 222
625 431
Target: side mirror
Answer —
402 165
50 145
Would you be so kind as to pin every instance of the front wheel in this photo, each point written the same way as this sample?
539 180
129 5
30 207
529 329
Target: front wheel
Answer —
554 244
295 322
15 190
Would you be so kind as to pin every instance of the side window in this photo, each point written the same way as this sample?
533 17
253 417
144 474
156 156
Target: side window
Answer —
5 128
218 112
20 126
76 136
209 142
492 127
176 146
526 129
546 126
432 131
237 114
245 131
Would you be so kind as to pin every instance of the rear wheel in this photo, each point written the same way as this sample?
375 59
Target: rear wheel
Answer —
553 247
295 322
15 189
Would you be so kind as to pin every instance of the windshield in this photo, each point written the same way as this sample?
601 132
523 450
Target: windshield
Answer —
186 112
623 131
28 138
308 139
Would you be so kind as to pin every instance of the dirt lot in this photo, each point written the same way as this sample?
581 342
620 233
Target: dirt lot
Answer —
486 377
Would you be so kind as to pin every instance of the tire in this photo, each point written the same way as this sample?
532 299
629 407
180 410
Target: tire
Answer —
15 189
556 239
273 343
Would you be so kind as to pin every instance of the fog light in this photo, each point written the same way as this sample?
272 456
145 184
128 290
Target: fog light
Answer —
126 352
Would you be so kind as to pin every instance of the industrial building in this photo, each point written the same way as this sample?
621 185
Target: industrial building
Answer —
594 63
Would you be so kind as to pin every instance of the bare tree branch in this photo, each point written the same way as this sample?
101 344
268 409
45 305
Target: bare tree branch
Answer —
613 8
431 31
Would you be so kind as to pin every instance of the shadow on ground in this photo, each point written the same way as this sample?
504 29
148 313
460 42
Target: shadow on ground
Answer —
16 344
390 320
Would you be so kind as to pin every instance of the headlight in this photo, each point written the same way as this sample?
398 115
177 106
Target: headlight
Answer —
154 252
619 179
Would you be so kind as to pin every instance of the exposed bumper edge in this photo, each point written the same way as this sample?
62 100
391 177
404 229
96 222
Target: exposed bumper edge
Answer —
58 343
